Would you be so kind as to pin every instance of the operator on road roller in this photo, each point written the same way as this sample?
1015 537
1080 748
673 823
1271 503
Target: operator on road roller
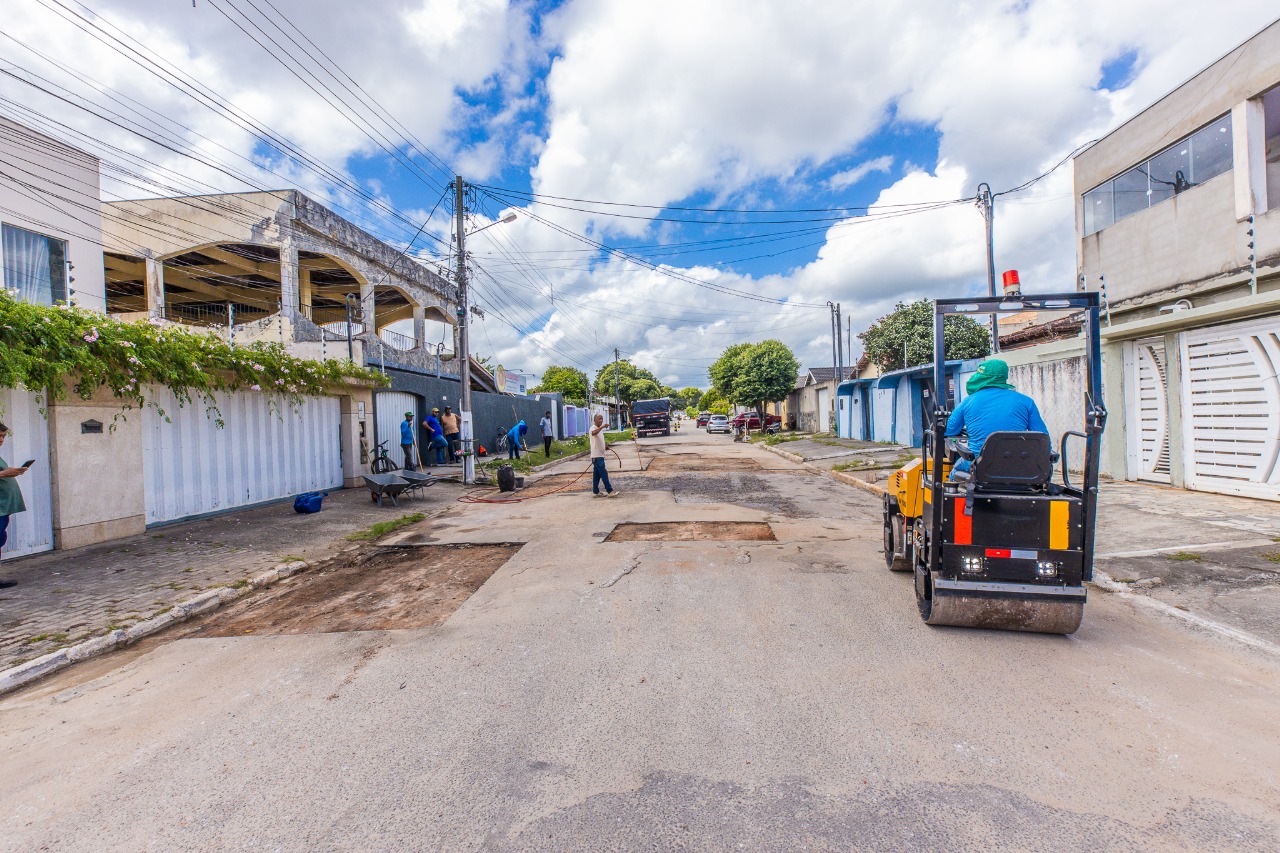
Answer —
1000 408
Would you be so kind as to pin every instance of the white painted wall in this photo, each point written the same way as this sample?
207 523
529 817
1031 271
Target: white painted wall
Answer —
30 531
53 168
264 452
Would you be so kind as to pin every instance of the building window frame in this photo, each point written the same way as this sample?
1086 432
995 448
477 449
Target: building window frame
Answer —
1169 172
33 265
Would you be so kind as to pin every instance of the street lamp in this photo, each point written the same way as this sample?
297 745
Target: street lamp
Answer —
464 324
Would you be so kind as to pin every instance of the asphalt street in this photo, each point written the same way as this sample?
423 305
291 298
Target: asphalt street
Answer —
591 695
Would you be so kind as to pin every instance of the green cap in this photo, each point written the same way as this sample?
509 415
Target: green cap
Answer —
992 373
408 414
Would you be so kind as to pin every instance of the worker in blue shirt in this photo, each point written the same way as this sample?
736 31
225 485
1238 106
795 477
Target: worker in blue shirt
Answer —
514 437
407 442
992 406
435 437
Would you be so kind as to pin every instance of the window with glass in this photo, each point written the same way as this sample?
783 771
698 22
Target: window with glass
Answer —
35 266
1187 163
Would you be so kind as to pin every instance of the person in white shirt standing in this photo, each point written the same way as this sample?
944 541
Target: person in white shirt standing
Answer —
599 473
548 434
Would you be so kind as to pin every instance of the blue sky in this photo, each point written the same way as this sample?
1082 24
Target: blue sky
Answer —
825 106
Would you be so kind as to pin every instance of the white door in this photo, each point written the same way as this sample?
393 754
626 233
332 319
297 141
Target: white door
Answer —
824 409
1147 391
265 450
30 531
388 411
1231 408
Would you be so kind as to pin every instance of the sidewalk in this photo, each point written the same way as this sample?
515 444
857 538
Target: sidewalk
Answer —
64 597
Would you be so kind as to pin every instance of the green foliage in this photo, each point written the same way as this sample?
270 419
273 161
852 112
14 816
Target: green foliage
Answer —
755 374
634 383
382 528
912 324
714 402
44 348
686 398
569 381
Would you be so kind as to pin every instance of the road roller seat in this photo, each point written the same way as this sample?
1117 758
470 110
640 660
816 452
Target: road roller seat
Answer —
1010 462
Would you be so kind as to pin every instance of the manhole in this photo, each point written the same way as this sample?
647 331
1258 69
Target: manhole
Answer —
694 462
692 531
383 589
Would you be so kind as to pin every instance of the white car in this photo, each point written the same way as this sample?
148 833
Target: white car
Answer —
719 423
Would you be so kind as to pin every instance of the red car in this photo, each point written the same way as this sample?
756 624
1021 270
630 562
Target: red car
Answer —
703 417
752 420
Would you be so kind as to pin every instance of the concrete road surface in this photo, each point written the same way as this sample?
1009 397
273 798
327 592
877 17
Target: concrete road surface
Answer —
593 695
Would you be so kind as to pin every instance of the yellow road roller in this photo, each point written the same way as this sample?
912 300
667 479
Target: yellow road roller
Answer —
1004 544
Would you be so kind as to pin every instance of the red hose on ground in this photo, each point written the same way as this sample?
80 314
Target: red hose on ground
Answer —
474 497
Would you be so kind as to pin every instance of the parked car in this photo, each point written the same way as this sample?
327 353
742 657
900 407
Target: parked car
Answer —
719 423
703 417
752 420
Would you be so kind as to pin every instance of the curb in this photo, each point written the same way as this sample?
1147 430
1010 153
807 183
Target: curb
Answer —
850 480
790 457
581 453
23 674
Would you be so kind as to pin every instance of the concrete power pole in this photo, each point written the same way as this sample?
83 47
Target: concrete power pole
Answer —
987 203
617 401
464 342
839 347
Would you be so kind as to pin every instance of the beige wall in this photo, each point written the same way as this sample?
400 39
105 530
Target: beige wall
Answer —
98 488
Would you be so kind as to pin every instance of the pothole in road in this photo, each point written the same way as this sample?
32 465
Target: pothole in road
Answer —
383 589
696 462
692 531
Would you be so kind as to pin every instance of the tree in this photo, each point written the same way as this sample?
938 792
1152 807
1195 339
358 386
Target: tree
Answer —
912 325
628 377
690 396
755 374
569 381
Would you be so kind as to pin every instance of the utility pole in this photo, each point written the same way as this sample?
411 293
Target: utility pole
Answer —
987 203
617 401
848 339
839 347
464 342
835 358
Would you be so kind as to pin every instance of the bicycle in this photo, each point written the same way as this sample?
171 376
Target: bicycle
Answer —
382 462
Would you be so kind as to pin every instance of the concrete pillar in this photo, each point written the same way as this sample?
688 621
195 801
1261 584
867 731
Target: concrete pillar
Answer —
355 433
369 308
304 293
1249 157
155 287
419 325
289 286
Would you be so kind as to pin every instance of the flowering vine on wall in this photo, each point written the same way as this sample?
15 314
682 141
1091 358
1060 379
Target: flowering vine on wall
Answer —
41 347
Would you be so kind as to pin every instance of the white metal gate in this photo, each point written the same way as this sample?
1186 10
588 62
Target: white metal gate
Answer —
266 450
1231 408
30 531
388 411
1147 386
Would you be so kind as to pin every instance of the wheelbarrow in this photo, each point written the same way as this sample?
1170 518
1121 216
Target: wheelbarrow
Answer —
385 485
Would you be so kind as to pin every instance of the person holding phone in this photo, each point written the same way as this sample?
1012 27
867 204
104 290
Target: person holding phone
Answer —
11 501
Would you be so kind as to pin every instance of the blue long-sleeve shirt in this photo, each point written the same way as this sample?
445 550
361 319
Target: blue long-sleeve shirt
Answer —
993 410
432 424
518 431
406 432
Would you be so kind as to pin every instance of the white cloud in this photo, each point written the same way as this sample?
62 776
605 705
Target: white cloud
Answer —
849 177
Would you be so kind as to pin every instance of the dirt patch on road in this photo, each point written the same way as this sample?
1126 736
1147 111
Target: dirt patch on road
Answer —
696 462
693 531
382 589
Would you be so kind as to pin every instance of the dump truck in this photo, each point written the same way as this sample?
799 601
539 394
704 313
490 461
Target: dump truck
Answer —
651 417
1006 544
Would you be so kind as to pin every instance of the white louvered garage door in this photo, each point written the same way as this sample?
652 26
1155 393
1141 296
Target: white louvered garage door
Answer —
388 411
1231 408
263 452
1148 388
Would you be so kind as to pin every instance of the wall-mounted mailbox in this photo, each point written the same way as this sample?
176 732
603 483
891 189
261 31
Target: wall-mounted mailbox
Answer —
91 427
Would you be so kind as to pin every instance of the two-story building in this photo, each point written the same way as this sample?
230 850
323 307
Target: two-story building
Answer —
1178 224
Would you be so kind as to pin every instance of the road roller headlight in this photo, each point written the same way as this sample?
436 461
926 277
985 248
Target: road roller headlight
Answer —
1046 568
973 564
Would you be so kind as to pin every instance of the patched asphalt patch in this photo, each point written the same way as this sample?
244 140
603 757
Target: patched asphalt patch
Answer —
697 462
693 531
752 491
